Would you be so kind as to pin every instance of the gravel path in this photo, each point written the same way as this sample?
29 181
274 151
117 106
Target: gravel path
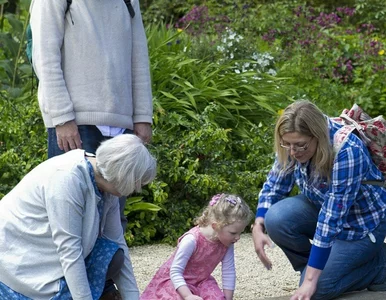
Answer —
253 280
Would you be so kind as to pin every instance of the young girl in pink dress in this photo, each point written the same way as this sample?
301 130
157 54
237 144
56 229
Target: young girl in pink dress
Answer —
187 273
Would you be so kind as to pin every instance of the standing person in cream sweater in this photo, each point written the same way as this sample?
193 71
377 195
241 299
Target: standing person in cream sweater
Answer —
91 58
93 68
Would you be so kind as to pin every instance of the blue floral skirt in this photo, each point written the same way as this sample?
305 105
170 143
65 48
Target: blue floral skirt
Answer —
97 263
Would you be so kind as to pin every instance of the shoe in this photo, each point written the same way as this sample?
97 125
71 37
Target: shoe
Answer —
111 295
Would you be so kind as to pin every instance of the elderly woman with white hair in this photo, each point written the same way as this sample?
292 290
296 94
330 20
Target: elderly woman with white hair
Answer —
60 230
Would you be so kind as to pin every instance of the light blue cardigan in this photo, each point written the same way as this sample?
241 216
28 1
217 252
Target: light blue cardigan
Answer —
49 223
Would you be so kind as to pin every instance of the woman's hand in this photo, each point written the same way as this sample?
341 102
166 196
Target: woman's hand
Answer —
260 239
308 287
305 292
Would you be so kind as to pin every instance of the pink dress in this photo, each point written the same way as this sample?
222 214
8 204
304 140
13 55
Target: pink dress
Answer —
197 274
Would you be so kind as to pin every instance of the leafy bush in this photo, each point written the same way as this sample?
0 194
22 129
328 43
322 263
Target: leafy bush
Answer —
22 136
207 134
199 159
22 139
217 91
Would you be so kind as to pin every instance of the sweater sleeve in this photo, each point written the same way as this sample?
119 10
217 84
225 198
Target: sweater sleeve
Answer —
141 82
112 230
48 20
228 270
185 249
65 201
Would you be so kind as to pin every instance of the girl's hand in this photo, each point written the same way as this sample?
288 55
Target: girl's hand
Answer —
186 294
193 297
260 239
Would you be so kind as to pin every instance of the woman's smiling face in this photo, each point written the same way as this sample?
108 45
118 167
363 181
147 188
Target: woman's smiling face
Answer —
300 147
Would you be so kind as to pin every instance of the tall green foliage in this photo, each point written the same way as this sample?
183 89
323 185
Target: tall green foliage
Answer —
217 90
207 137
15 71
22 136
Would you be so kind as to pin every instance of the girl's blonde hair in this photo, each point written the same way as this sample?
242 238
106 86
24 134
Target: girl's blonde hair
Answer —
305 118
225 209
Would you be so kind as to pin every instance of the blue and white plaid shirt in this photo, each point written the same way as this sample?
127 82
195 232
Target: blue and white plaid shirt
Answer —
349 210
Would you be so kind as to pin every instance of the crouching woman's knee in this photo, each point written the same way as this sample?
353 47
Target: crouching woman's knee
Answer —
275 220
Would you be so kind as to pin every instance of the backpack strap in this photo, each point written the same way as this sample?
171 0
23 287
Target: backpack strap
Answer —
341 135
69 2
129 7
375 182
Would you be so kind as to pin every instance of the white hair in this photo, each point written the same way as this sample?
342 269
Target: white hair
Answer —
125 162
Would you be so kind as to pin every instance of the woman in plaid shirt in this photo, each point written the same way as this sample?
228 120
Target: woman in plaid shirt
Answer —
343 217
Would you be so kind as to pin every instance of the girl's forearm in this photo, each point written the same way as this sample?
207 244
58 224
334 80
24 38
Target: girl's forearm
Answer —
228 294
184 291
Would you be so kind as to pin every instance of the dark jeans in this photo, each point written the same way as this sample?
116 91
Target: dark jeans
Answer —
351 266
91 139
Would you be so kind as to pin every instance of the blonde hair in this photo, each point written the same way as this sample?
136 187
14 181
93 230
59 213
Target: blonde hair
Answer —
125 162
305 118
225 209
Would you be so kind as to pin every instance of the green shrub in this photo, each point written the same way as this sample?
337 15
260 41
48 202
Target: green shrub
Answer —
22 139
217 91
199 159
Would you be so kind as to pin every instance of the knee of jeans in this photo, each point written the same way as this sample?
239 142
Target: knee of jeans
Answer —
274 218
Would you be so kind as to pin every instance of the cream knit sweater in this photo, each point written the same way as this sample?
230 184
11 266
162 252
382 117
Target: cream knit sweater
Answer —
92 63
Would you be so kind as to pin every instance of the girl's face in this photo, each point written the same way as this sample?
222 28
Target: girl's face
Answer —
300 147
230 234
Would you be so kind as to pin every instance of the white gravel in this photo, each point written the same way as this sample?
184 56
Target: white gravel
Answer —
253 280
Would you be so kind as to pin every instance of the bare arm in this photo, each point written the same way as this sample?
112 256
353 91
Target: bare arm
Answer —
308 287
260 239
228 294
112 230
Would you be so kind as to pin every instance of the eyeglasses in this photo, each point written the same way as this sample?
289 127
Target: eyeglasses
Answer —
296 148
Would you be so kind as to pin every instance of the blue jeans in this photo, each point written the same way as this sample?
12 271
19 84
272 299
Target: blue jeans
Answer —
91 139
352 265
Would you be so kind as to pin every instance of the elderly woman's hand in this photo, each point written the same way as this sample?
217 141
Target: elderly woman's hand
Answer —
260 239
